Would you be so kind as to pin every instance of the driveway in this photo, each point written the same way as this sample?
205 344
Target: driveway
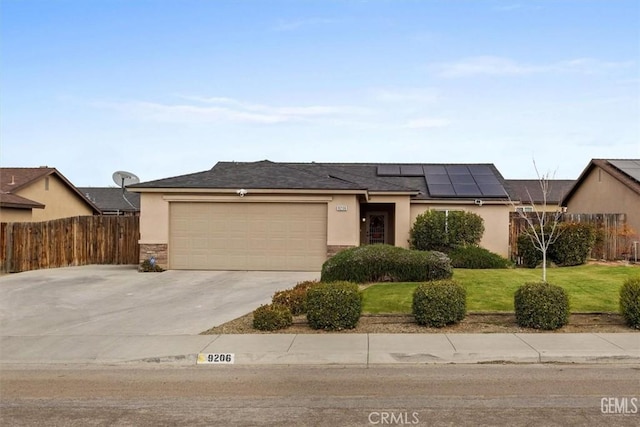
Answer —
117 300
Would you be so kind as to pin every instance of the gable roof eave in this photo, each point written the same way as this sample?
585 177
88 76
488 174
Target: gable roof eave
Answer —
607 167
43 172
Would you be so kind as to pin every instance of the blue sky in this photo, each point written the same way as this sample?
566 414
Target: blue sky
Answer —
163 88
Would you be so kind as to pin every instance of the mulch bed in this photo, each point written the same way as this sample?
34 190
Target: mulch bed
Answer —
404 324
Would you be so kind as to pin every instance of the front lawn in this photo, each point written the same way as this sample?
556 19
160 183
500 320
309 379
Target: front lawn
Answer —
591 288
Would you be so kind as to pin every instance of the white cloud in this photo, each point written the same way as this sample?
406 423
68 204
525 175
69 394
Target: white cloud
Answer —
427 122
499 66
220 109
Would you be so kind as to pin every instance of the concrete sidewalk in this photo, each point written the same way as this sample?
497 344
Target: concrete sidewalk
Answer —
326 349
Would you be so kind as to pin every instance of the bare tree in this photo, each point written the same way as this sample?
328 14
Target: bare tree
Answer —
542 226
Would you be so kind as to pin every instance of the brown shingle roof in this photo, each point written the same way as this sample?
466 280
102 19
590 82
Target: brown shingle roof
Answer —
14 179
17 202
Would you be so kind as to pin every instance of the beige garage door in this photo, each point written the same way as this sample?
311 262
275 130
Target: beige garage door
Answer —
247 236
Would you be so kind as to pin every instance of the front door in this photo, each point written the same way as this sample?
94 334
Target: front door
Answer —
376 227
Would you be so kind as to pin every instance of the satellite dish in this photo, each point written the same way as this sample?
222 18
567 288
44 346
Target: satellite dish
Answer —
122 178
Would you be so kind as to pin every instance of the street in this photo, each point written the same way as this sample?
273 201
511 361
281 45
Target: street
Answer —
429 395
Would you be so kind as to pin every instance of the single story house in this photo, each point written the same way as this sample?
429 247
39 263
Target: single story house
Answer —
608 186
40 194
292 216
113 200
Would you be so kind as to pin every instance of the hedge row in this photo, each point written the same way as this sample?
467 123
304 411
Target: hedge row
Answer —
386 263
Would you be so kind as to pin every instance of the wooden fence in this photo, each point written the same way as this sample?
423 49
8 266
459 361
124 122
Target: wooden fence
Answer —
613 235
66 242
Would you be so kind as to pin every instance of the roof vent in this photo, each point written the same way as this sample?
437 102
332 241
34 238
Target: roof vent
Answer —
13 180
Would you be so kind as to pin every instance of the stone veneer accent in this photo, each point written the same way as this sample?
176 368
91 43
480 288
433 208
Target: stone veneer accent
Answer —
157 250
334 249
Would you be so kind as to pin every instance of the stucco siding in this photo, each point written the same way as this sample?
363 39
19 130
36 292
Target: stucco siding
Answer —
15 215
59 200
602 193
496 223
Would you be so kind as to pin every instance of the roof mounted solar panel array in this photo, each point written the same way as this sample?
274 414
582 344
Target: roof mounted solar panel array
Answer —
467 181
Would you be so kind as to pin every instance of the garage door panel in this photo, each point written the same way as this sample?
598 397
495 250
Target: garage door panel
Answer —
247 236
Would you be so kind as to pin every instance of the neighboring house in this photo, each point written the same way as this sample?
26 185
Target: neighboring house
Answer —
292 216
39 194
113 200
531 195
608 186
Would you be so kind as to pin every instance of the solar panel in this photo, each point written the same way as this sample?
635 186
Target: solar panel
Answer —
492 190
457 170
441 190
388 170
486 179
434 170
462 179
411 170
480 170
630 167
438 179
467 190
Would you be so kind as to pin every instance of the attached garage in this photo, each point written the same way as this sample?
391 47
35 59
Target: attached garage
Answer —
247 236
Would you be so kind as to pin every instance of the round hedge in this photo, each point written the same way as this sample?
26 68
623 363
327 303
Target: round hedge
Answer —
439 303
630 302
477 257
541 305
295 299
385 263
272 317
334 306
442 231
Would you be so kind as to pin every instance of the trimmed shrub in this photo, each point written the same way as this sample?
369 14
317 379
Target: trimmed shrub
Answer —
530 256
630 301
574 243
442 231
147 266
385 263
477 257
439 303
334 306
295 299
272 317
541 305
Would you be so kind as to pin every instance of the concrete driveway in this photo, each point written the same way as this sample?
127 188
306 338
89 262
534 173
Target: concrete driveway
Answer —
117 300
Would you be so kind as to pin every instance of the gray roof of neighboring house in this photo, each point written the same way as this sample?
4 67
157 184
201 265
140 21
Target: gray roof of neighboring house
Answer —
112 199
528 190
312 176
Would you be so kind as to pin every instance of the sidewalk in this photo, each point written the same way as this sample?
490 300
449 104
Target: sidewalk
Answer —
326 349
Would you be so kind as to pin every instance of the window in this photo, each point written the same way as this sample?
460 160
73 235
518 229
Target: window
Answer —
524 208
46 184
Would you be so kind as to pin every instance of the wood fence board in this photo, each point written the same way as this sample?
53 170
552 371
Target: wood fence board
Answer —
69 242
613 245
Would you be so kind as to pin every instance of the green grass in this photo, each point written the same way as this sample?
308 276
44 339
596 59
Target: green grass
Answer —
591 288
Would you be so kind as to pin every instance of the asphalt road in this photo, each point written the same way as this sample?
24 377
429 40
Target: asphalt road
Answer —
431 395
